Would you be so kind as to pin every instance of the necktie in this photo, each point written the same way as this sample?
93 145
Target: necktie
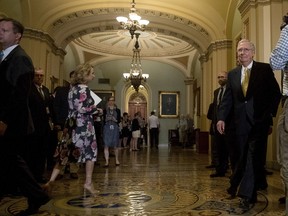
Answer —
41 92
220 95
1 55
245 81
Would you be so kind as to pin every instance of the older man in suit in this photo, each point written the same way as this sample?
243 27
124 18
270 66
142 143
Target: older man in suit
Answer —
252 95
40 106
15 119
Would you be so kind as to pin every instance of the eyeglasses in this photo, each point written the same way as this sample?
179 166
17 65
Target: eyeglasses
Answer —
245 50
221 77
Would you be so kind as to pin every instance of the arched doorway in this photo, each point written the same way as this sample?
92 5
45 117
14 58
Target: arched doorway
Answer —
137 102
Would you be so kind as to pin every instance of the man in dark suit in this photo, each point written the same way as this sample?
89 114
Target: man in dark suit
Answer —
16 75
221 147
252 95
40 106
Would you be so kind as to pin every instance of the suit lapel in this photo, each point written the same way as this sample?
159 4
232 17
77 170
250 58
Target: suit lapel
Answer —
253 75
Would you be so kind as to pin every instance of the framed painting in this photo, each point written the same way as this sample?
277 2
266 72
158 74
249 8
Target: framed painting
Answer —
104 95
169 104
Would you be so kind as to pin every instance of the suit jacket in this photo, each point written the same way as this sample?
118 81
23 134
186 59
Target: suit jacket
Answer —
16 75
38 107
261 101
60 105
213 114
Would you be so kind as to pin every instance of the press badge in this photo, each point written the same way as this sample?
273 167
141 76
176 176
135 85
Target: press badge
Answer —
111 127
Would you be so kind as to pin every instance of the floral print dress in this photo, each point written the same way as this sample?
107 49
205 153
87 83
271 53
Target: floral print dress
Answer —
81 107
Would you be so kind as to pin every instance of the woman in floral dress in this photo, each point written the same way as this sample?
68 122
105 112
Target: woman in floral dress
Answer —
81 108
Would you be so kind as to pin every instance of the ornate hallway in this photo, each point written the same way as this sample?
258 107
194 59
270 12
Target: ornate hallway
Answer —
168 181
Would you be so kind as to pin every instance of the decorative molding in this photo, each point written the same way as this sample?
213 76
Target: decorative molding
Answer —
42 36
218 45
203 58
214 46
62 21
245 5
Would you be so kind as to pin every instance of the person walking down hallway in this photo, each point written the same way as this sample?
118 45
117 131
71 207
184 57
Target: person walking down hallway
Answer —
82 106
111 118
154 126
252 95
279 61
16 124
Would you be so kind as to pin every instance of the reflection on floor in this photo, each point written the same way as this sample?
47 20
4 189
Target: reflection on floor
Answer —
167 181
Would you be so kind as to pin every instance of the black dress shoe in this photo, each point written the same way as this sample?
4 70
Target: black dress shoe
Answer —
33 207
282 200
232 191
217 175
244 204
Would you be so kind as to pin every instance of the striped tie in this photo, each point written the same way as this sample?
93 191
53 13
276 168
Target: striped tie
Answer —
245 81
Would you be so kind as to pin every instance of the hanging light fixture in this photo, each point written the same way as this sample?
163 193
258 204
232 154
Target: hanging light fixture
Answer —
135 76
134 21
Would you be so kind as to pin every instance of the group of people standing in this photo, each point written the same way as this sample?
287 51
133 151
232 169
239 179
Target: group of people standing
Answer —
135 132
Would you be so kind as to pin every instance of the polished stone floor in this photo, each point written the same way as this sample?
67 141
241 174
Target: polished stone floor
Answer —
167 181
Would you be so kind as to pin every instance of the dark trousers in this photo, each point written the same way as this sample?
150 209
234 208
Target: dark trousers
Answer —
15 172
51 148
214 152
222 153
36 154
246 173
154 138
98 133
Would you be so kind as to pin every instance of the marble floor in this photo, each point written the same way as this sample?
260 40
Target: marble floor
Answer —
167 181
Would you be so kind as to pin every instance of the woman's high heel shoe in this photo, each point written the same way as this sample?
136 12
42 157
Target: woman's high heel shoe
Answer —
90 189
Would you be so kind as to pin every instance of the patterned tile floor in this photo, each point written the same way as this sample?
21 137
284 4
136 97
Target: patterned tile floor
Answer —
168 181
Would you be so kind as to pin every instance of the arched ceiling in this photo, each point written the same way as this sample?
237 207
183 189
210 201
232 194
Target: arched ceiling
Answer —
176 29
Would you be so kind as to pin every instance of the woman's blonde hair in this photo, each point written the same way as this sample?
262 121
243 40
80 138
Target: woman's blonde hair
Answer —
80 73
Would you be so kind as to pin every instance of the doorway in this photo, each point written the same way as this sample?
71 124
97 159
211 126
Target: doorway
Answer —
137 102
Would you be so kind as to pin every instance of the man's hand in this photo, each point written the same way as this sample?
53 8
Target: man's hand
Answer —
3 128
221 127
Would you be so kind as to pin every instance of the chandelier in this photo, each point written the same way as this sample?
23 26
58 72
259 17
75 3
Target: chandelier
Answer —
135 76
134 21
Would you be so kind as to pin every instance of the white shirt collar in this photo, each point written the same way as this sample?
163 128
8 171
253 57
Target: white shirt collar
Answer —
8 50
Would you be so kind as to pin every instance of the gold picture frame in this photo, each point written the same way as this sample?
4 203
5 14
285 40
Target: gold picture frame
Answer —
169 104
104 95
